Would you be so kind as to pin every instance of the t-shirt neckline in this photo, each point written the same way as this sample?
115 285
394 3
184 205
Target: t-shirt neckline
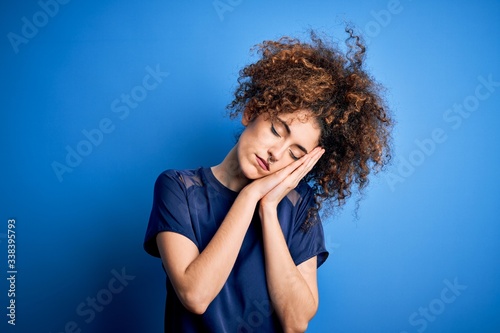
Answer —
217 184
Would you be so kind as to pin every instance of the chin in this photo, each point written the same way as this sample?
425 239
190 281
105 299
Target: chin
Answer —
249 171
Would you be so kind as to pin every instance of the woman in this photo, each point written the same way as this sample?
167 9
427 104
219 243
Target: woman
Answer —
241 241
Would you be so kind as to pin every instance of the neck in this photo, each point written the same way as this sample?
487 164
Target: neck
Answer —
228 172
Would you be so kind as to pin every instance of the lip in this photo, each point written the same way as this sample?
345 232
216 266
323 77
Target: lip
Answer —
262 163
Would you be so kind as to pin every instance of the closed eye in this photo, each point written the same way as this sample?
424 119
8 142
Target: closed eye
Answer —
274 131
295 158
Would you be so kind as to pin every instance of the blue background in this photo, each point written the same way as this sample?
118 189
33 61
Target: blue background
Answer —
430 221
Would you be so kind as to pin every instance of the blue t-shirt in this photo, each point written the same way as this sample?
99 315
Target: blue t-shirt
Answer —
194 203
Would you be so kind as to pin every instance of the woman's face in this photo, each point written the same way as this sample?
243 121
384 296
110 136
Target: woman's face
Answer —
267 146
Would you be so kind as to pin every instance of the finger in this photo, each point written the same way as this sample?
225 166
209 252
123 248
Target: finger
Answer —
313 157
300 172
291 180
309 164
312 153
292 166
299 168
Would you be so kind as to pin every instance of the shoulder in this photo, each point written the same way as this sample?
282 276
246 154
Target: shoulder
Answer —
178 174
178 179
301 194
302 202
304 188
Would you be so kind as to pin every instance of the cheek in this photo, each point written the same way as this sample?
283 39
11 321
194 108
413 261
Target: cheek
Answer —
257 138
283 163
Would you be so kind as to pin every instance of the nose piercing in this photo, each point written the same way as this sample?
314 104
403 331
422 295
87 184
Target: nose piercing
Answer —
270 160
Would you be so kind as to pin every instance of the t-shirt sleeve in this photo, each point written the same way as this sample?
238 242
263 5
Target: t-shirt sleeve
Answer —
170 211
308 243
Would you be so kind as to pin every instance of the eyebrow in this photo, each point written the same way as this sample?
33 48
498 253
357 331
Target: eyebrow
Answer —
287 128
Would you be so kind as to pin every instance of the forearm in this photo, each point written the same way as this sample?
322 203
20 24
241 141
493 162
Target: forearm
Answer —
206 274
290 294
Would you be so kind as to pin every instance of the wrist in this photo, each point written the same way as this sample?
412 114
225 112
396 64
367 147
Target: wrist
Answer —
248 194
267 209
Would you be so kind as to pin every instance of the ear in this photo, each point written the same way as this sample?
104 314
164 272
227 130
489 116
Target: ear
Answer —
246 118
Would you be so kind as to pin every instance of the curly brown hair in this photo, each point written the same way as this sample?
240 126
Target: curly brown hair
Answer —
346 101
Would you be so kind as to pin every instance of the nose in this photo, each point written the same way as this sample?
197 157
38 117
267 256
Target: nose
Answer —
276 152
